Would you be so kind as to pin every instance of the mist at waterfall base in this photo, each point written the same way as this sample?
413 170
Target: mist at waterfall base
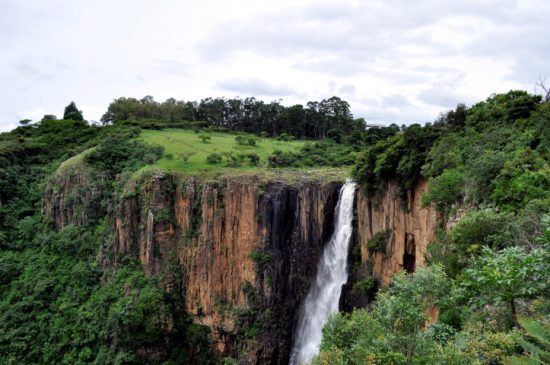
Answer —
324 295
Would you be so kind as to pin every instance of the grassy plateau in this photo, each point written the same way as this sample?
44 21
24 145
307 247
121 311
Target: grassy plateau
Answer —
184 151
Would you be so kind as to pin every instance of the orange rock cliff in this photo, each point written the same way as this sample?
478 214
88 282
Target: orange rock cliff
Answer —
242 249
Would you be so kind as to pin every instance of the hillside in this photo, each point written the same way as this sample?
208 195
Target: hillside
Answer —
184 150
123 244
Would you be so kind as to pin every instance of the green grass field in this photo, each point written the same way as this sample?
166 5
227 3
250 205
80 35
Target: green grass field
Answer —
177 142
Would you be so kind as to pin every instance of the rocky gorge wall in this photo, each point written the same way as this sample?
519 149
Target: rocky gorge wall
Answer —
246 249
242 250
409 227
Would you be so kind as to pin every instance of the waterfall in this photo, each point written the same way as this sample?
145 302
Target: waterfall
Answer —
324 295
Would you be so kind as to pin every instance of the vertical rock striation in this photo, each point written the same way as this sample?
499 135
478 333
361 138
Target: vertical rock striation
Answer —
410 228
245 250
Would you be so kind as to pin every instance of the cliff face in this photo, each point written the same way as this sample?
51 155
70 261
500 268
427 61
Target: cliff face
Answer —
73 196
244 249
409 229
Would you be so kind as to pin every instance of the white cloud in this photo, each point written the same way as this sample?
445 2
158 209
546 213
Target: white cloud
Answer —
393 60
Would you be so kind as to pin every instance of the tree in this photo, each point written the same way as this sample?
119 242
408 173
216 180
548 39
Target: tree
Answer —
72 112
49 117
545 89
445 189
335 134
394 330
25 122
508 275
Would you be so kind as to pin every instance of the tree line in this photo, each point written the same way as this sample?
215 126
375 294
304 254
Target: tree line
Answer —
312 121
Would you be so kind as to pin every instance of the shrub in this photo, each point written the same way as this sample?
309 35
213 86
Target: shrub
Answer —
444 190
482 228
393 331
245 140
282 159
205 138
185 155
260 257
366 287
523 178
481 173
213 158
505 276
253 158
335 135
284 137
232 160
118 152
240 139
379 241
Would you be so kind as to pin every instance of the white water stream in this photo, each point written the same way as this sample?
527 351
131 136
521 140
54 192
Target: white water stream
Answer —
324 295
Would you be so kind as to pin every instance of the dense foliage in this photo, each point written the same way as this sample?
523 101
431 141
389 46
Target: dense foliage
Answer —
58 303
488 170
482 300
314 121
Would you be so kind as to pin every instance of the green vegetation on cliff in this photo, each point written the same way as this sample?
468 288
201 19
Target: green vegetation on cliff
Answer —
59 301
63 301
184 150
488 173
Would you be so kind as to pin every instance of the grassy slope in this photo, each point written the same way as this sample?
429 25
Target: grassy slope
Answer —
177 141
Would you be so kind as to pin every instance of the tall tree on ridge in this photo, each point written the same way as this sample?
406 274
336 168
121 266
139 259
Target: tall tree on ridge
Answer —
72 112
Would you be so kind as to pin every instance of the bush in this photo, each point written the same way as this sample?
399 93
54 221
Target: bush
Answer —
505 276
118 152
393 331
232 160
205 138
523 178
260 257
185 155
335 135
213 158
324 153
240 139
244 140
379 241
482 228
444 190
284 137
254 159
366 287
283 159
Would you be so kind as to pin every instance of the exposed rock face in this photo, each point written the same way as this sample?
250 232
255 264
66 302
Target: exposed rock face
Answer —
73 196
412 227
243 249
246 251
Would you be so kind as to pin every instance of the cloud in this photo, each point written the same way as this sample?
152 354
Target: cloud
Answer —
254 87
442 96
392 60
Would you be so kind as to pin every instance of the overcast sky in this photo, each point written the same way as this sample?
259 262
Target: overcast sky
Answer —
394 61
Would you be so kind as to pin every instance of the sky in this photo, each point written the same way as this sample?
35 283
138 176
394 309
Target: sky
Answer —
396 61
